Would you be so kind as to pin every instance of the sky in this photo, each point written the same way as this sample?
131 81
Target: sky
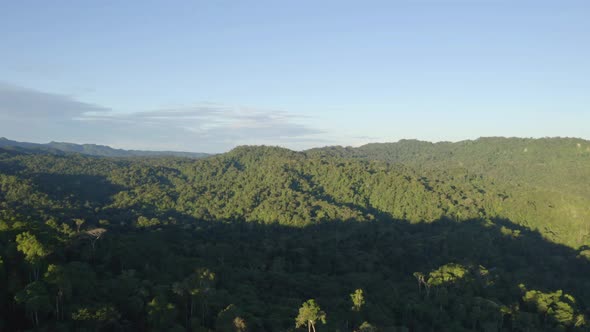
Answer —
206 76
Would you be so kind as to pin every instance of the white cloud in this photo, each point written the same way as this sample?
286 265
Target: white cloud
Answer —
39 116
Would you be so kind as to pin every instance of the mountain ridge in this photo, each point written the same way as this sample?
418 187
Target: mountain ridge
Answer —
96 150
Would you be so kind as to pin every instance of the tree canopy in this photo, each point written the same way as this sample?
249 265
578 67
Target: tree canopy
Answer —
410 236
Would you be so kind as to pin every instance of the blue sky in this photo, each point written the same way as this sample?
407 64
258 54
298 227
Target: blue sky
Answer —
210 75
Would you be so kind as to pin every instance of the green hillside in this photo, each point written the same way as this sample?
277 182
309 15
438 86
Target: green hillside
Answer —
546 179
485 235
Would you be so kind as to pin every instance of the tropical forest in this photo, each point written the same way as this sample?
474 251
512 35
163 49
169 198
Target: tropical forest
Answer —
491 234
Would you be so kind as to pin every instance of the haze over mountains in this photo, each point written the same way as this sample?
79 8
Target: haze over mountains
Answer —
94 149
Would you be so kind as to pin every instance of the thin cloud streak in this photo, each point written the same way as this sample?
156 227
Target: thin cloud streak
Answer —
207 128
17 102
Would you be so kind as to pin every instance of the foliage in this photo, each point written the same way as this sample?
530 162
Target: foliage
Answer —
358 300
309 314
432 237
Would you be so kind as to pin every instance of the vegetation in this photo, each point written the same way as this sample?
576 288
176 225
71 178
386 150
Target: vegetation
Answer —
309 314
487 235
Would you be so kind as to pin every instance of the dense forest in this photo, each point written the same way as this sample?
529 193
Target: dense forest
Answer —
484 235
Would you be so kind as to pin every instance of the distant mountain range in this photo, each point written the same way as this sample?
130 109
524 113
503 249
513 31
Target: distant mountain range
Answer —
91 150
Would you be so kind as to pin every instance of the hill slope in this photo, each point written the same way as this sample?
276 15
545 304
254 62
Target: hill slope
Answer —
247 236
274 185
547 178
559 163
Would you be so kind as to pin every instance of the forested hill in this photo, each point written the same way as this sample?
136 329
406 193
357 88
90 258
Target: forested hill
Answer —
550 175
435 237
91 150
559 163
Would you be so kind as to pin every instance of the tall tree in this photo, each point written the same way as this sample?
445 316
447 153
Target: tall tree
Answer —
58 278
35 299
33 250
79 222
358 300
309 314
